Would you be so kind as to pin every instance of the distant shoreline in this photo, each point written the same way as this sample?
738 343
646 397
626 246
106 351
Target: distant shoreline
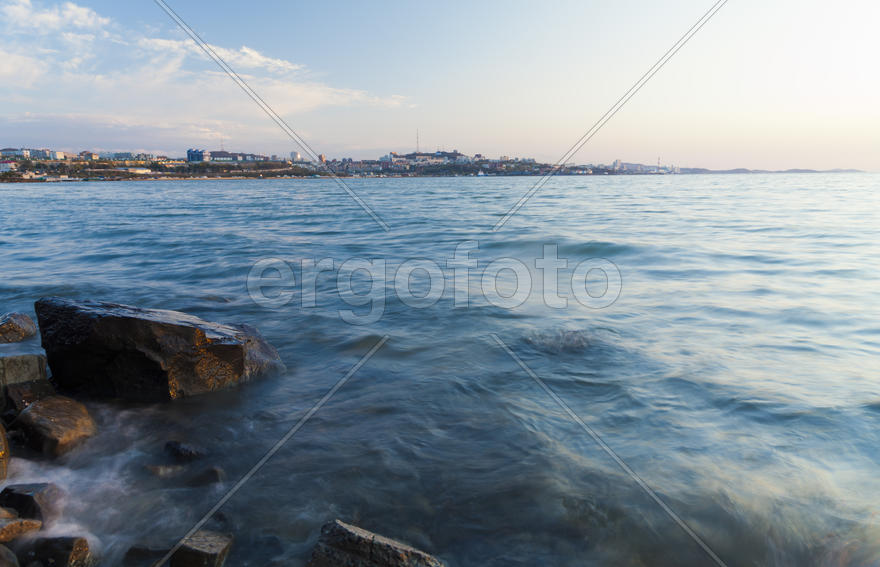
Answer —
688 171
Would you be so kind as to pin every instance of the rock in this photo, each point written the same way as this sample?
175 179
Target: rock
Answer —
38 501
7 513
166 471
344 545
211 475
55 425
20 368
203 549
4 453
23 394
16 327
117 351
14 528
184 452
63 552
7 558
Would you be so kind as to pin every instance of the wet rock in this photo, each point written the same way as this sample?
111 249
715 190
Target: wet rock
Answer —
14 528
203 549
38 501
344 545
211 475
56 425
15 369
117 351
4 453
184 452
16 327
62 552
7 513
7 558
166 471
23 394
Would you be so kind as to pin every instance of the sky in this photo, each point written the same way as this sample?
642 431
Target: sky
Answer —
764 85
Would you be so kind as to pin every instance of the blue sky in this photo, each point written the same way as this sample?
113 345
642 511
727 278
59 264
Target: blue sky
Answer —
763 85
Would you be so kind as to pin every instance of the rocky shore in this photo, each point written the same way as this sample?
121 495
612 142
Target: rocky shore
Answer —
95 350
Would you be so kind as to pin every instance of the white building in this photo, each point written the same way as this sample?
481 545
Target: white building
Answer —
13 152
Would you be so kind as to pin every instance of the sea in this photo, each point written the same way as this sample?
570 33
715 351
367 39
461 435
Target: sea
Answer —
628 370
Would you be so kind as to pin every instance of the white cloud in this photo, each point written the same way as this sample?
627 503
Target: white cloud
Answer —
100 81
23 15
244 57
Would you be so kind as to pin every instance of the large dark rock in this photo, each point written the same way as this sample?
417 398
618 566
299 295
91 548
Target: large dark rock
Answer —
55 425
184 452
37 501
344 545
202 549
15 327
117 351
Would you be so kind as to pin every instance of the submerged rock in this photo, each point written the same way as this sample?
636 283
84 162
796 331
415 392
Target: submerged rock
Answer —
184 452
55 425
14 528
118 351
211 475
62 552
345 545
38 501
15 327
203 549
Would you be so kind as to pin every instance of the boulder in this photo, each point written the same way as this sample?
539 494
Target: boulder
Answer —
14 528
19 368
7 513
202 549
118 351
62 552
7 558
16 327
142 556
345 545
38 501
55 425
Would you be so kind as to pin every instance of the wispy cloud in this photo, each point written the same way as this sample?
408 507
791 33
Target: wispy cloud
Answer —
94 75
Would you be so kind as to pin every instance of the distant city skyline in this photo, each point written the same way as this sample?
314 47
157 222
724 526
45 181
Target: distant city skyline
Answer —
787 85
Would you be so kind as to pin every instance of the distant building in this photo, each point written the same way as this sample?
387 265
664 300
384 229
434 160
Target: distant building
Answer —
322 158
123 155
13 152
295 156
88 156
8 166
195 156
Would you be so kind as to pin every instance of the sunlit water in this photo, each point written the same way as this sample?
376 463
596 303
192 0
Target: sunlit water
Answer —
737 373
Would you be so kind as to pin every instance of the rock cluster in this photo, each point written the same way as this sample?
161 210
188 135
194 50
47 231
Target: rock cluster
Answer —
111 351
